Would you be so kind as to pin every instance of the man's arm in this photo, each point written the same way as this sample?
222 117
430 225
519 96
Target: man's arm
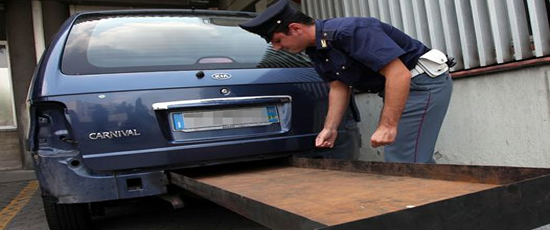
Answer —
338 102
397 86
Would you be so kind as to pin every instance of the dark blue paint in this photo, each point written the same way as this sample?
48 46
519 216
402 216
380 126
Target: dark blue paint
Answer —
68 114
133 110
122 102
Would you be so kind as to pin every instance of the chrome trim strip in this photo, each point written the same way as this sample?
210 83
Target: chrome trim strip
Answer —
167 105
184 147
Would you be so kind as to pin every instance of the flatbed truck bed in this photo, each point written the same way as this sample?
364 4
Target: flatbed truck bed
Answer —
301 193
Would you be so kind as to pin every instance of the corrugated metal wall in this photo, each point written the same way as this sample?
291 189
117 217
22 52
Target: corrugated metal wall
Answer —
476 32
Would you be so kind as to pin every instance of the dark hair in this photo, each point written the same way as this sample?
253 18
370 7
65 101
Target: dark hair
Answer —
296 17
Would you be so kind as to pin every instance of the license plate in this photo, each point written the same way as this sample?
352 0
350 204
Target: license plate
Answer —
202 120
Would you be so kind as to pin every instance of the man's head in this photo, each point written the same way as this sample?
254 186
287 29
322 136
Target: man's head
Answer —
283 26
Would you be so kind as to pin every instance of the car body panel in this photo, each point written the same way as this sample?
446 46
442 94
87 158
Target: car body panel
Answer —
133 110
89 132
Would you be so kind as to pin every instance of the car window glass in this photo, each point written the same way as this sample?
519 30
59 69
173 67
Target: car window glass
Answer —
168 42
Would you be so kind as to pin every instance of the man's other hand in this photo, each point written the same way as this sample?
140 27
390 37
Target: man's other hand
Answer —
326 138
383 136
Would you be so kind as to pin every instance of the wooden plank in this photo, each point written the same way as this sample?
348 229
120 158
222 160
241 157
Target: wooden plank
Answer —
335 197
301 193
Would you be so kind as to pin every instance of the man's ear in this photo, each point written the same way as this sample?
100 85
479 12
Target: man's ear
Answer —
295 28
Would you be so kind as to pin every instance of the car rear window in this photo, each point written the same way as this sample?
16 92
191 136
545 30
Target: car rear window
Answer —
164 42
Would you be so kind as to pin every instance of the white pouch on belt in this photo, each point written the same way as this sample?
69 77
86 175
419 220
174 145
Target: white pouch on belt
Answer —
433 63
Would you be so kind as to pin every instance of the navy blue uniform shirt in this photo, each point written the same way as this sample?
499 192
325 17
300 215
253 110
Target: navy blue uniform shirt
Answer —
353 50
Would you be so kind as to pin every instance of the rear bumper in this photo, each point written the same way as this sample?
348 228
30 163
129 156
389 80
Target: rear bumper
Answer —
62 178
63 175
59 178
199 154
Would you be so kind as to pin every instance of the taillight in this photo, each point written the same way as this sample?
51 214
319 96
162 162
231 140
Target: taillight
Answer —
50 129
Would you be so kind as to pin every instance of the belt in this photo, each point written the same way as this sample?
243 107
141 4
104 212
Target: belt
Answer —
416 71
433 63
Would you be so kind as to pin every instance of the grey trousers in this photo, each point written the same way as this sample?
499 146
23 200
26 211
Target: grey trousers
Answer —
421 120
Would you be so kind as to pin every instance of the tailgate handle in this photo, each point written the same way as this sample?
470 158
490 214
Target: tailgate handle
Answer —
221 102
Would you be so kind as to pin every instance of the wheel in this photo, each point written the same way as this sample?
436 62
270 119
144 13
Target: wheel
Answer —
66 216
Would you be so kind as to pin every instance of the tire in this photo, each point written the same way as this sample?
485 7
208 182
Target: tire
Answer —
66 216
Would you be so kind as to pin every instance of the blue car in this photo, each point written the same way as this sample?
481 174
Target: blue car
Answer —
121 97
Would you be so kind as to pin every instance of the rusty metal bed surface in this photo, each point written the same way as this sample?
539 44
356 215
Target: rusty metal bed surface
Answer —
301 193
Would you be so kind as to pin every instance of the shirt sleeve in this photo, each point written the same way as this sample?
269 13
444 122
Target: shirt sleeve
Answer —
323 75
367 42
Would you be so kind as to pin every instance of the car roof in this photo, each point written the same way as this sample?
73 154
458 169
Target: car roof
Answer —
107 13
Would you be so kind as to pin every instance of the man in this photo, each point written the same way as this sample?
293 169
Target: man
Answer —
367 55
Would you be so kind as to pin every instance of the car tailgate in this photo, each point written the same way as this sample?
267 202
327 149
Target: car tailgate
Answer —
122 129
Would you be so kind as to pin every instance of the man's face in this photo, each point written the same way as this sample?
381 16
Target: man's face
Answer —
292 42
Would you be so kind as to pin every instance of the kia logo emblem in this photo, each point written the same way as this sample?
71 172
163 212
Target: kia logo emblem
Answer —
221 76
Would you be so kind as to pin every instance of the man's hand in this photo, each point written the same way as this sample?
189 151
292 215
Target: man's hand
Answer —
338 102
383 136
326 138
398 79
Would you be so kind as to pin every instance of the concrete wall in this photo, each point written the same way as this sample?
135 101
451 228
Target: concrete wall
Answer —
22 61
494 119
54 14
9 153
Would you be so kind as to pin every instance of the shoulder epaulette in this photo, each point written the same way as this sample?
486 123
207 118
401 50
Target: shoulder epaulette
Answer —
329 35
